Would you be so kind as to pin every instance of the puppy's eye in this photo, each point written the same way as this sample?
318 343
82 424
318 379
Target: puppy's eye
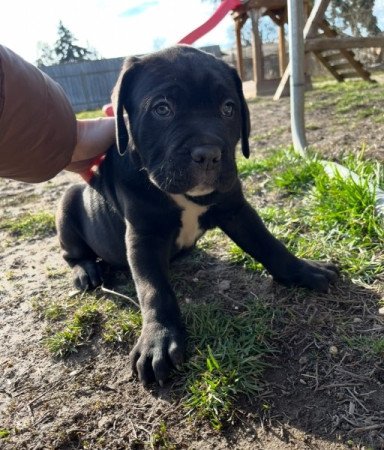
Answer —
227 109
162 109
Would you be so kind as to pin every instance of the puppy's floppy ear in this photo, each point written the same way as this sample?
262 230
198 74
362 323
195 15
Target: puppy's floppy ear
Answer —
245 119
120 100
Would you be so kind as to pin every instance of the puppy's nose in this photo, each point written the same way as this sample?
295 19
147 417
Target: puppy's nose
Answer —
207 156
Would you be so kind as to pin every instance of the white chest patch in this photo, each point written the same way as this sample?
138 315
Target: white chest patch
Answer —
190 230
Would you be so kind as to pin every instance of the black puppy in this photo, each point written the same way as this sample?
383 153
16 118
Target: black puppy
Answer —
185 114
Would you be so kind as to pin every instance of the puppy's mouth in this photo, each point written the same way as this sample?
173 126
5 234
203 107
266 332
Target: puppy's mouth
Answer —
200 190
184 184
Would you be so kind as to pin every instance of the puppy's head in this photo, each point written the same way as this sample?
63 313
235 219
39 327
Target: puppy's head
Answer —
186 112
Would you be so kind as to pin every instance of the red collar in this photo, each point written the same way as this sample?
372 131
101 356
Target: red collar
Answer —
93 167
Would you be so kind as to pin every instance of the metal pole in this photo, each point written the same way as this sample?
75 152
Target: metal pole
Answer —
297 80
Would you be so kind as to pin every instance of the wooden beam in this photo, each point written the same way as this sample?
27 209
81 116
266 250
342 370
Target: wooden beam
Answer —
310 28
337 43
257 52
315 18
282 51
239 50
278 16
270 4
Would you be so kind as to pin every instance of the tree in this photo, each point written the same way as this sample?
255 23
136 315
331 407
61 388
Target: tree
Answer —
354 17
47 56
64 50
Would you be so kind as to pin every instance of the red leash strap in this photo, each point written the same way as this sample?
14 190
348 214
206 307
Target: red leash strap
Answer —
92 168
225 7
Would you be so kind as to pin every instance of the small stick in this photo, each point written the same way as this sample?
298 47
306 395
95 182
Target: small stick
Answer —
118 294
338 385
368 428
357 400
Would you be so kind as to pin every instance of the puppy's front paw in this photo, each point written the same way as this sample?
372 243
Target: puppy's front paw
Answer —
315 275
86 275
160 348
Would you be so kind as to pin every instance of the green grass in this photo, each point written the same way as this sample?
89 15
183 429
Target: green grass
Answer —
237 255
121 326
4 433
160 439
90 114
359 99
228 357
328 217
299 176
30 225
368 344
76 332
73 322
227 348
248 167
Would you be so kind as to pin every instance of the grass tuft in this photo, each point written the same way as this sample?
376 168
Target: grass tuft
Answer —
228 357
76 332
359 99
90 114
4 433
368 344
122 326
30 225
247 167
75 324
347 205
237 255
299 176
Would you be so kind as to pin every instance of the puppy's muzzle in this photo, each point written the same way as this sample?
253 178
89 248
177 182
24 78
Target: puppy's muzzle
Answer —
206 157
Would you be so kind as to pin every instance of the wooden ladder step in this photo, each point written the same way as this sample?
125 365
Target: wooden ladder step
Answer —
350 75
341 66
328 66
333 56
349 55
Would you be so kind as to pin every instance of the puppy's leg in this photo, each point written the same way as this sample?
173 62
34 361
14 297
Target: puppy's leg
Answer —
161 345
79 256
243 225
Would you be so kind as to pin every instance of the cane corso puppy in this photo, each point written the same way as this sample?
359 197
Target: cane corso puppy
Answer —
179 114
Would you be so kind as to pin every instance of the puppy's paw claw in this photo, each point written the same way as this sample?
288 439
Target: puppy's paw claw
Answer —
158 351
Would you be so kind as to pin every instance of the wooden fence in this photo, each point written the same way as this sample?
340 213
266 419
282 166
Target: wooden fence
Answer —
88 84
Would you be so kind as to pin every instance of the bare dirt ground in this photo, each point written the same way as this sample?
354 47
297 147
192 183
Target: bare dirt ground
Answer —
314 397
